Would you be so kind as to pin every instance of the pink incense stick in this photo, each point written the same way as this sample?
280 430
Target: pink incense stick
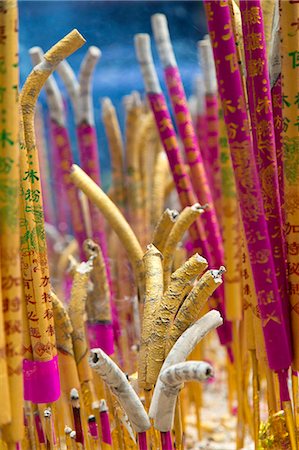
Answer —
64 161
142 443
62 210
198 233
105 423
89 157
263 133
212 239
167 134
212 156
166 440
39 428
213 149
247 182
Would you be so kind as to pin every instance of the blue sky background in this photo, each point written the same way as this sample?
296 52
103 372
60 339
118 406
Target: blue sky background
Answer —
111 25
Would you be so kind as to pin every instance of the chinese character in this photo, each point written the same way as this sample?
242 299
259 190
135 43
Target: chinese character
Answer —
233 62
232 130
295 59
264 104
5 138
252 15
227 106
254 41
165 124
31 174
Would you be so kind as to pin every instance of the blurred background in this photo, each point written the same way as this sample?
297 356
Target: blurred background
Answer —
111 25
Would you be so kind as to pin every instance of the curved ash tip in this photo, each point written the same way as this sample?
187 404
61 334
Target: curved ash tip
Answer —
67 430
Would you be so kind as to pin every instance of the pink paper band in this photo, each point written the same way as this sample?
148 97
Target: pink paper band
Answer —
100 335
41 381
105 425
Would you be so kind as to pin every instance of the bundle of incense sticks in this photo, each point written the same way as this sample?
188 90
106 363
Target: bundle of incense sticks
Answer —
103 324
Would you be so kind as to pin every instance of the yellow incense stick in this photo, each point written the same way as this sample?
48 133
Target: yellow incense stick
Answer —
11 290
163 228
179 286
115 219
189 311
153 292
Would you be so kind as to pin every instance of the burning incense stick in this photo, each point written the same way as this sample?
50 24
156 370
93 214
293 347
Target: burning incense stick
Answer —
163 228
120 387
76 312
192 305
252 206
259 96
62 147
114 217
100 332
35 266
153 292
187 134
165 312
166 130
179 353
11 357
183 222
172 379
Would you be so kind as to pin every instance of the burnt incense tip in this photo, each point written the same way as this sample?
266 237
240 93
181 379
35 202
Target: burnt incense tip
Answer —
209 372
221 270
91 418
74 394
94 357
198 207
67 430
47 413
173 213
